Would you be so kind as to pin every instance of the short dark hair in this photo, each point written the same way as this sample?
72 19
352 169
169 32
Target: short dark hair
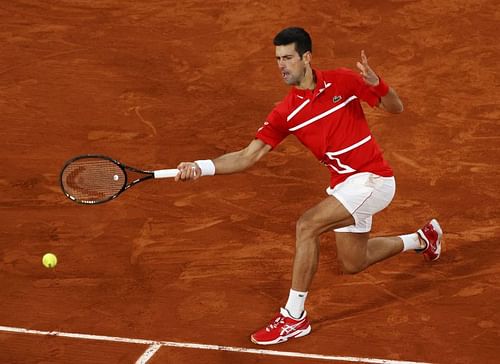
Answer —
299 36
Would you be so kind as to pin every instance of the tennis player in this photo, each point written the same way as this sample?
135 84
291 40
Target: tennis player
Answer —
323 110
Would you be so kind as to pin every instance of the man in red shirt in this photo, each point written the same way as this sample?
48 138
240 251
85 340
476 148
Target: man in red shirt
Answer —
324 112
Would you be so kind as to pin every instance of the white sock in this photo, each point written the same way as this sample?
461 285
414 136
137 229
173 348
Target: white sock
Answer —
295 303
410 242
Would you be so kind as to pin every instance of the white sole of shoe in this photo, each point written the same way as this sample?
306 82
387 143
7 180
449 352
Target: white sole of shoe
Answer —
438 229
282 339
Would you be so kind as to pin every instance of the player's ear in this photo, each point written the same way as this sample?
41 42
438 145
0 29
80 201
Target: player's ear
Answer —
307 57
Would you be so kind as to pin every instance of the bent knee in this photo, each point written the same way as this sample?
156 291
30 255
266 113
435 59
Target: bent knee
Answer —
307 227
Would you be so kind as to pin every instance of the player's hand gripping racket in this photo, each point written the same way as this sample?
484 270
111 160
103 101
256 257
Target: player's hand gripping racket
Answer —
91 179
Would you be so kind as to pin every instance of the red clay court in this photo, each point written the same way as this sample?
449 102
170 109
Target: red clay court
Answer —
185 272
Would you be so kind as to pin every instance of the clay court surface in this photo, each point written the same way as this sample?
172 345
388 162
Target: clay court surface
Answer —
154 83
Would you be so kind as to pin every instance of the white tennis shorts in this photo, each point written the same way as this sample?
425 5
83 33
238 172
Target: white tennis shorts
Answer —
363 195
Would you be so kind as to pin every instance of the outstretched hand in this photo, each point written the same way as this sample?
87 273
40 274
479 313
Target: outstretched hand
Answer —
366 72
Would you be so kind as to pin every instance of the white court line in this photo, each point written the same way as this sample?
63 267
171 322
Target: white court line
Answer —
148 354
158 344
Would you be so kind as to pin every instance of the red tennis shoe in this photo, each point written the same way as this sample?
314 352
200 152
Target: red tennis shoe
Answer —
431 234
281 328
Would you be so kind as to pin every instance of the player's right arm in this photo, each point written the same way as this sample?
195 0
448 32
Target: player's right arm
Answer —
242 159
227 163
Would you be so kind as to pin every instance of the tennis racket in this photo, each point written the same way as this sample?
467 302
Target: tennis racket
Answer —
92 179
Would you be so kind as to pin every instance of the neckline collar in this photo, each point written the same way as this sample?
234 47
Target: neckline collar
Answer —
321 85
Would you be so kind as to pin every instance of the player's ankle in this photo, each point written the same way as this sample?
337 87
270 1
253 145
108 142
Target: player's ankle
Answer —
423 243
295 315
295 303
412 242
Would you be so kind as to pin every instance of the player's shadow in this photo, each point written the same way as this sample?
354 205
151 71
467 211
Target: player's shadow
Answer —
425 282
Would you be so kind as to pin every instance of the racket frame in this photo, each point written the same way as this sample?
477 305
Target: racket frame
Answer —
122 166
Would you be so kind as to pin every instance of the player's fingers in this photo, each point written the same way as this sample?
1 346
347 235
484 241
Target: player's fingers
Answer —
194 172
361 68
180 167
184 171
190 171
364 59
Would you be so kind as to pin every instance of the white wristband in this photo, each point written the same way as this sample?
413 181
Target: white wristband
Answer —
207 167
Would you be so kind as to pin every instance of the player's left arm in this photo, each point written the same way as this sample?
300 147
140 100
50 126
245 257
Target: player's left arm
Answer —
390 100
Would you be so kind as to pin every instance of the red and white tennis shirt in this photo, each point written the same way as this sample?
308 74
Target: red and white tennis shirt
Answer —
330 122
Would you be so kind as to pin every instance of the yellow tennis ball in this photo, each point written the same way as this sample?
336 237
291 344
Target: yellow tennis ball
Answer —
49 260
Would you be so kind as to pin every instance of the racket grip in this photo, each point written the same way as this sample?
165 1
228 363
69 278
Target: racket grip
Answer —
166 173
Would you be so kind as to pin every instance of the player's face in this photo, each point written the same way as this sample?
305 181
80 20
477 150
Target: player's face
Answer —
291 65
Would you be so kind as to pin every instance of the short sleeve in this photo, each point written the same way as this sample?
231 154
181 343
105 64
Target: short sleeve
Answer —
273 131
359 87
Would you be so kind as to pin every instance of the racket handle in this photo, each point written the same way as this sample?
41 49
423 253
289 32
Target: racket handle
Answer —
166 173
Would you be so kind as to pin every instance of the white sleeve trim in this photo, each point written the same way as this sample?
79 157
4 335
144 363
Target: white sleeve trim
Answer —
207 167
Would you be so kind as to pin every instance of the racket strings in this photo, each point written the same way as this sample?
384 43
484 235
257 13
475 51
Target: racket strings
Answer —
92 179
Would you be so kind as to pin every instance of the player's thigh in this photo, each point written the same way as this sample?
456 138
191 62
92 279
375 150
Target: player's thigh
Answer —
326 215
363 194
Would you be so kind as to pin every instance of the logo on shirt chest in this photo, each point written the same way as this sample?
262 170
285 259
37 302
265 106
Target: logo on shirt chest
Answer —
336 99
